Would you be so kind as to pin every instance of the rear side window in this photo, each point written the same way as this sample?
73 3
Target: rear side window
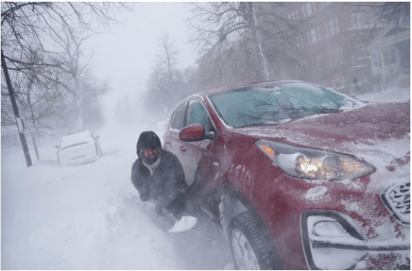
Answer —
179 117
196 113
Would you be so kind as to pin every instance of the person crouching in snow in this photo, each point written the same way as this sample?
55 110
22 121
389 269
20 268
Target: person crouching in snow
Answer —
159 177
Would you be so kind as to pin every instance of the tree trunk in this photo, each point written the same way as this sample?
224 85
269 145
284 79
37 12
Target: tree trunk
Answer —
33 126
79 122
34 143
263 66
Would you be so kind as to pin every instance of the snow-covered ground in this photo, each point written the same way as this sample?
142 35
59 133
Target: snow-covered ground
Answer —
90 216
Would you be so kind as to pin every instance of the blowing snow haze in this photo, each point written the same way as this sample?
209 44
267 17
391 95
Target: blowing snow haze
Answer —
113 70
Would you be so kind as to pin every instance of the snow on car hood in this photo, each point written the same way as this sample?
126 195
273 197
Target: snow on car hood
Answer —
72 139
377 133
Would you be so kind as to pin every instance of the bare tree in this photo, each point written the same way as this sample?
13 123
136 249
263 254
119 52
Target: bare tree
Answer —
27 28
167 59
71 59
246 38
165 80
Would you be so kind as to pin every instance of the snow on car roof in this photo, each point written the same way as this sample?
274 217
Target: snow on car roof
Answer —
71 139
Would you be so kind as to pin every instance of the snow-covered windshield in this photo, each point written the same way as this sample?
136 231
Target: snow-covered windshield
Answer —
272 104
77 138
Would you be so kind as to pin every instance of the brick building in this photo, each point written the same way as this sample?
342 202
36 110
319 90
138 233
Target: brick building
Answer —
331 46
328 43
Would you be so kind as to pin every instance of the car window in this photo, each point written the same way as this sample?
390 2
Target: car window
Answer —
196 113
275 103
179 117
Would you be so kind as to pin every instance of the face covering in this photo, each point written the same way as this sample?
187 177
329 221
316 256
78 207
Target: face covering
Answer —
151 157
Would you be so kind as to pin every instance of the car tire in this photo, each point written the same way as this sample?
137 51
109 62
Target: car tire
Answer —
248 245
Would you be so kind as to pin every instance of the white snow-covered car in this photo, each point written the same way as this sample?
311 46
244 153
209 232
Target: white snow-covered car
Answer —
78 148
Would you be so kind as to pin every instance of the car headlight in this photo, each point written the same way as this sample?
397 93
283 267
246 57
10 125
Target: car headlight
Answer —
313 164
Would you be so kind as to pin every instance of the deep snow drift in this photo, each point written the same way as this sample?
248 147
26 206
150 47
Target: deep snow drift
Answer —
90 216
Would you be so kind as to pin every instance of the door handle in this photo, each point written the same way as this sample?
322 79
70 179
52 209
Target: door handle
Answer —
167 142
182 149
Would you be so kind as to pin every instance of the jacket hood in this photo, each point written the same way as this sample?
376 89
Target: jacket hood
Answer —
148 139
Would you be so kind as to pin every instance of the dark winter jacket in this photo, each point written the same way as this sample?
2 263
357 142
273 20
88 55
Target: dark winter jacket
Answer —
166 184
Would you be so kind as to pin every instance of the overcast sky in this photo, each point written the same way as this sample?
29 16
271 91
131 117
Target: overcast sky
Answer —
127 53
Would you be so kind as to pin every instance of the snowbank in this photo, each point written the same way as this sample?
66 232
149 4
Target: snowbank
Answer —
90 216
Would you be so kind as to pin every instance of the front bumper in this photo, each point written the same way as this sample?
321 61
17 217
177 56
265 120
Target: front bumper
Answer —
330 241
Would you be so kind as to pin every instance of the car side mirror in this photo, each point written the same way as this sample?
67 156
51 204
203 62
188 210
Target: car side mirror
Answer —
194 132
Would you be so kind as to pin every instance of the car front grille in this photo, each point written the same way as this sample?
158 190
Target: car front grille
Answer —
398 201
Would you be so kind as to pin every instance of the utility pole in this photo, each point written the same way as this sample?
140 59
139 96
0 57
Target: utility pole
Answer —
16 111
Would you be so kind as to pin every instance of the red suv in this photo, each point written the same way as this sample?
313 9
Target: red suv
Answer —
299 176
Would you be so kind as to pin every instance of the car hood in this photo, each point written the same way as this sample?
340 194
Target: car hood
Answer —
377 133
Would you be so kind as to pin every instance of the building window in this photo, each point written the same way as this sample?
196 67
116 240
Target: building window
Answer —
361 20
294 16
313 35
333 26
389 56
376 61
321 5
309 9
357 20
304 12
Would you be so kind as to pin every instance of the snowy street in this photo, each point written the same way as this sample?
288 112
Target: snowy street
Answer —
90 216
269 135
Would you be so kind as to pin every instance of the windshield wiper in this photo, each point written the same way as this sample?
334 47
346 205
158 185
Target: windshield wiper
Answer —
266 123
328 111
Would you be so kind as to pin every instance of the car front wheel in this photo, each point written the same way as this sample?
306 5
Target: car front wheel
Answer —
248 246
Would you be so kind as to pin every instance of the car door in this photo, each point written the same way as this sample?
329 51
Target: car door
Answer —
172 142
203 159
196 113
